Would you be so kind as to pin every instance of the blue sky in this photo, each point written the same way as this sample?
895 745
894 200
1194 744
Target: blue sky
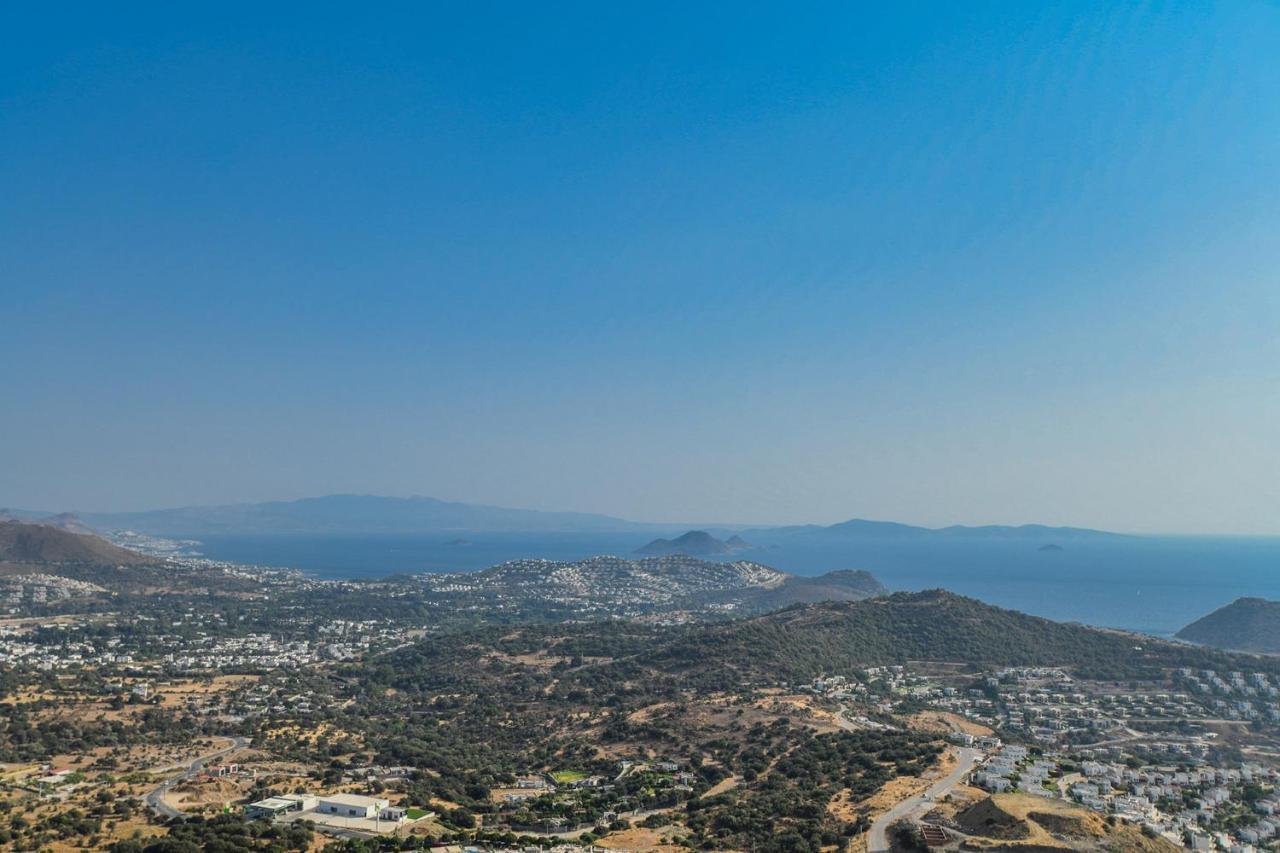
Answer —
742 263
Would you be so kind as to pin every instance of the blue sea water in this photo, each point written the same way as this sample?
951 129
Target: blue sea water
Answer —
1150 584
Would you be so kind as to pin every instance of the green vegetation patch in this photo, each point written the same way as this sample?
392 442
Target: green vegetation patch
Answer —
568 777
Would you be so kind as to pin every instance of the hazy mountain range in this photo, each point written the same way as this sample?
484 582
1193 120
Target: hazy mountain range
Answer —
371 514
350 514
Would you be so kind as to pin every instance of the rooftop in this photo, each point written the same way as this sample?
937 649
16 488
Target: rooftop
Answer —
272 803
353 800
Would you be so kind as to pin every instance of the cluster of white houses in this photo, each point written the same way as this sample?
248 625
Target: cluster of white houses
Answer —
69 647
1178 802
41 588
1235 695
602 583
1124 752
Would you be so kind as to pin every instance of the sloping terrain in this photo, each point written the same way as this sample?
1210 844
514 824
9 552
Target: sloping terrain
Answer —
793 646
1021 823
839 585
1246 624
37 554
802 642
65 520
22 542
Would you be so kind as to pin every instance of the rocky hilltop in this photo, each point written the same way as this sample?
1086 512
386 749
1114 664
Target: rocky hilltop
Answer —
695 543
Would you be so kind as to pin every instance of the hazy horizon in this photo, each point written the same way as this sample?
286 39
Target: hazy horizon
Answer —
673 523
939 265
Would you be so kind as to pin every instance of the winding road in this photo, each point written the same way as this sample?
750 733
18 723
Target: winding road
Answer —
155 798
843 721
877 836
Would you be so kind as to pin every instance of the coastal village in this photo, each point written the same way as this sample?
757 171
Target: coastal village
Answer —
1158 758
1192 760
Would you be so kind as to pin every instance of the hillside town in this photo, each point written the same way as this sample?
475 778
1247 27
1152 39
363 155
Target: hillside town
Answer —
93 640
244 692
1172 761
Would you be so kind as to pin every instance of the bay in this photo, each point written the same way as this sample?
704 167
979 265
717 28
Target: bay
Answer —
1154 585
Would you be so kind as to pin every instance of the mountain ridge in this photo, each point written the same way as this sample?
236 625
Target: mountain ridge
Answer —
355 514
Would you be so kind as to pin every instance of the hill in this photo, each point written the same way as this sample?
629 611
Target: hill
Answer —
353 514
616 586
22 542
1246 624
695 543
801 642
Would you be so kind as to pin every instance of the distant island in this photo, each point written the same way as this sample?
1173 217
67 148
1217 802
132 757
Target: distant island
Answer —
354 515
1244 625
863 529
1050 547
695 543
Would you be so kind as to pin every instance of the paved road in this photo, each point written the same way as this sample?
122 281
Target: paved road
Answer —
843 721
155 798
877 838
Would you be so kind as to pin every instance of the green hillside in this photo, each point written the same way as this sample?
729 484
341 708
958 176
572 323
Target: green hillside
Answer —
1246 624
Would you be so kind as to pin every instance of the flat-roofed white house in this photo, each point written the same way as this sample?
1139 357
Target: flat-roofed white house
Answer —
301 802
270 808
352 805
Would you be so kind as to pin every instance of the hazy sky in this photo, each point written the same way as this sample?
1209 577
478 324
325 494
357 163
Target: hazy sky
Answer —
938 263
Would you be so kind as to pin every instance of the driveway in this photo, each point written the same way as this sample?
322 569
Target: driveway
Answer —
877 837
155 798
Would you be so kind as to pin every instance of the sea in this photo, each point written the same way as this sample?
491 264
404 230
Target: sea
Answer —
1154 585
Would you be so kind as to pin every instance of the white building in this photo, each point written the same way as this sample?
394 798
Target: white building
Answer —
352 805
